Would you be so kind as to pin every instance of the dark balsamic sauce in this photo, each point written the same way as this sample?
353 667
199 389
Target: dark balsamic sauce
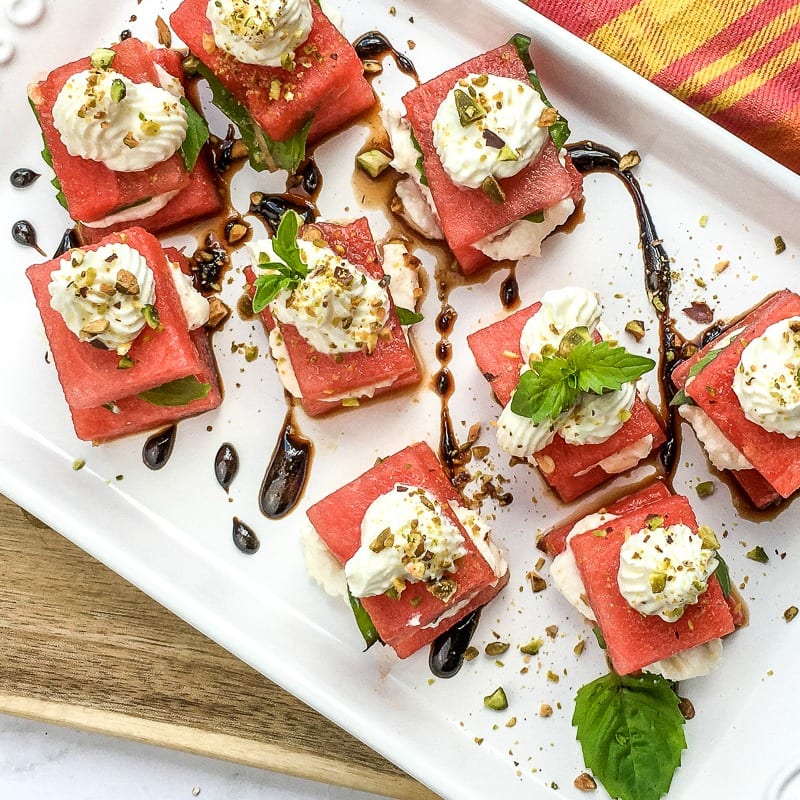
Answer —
375 45
22 232
271 207
244 537
68 241
226 465
446 655
307 179
286 474
208 264
509 290
222 151
158 447
23 177
589 157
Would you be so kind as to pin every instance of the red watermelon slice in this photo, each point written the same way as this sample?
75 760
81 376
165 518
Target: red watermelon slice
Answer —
633 640
467 215
570 469
708 382
327 84
414 618
102 397
322 376
91 189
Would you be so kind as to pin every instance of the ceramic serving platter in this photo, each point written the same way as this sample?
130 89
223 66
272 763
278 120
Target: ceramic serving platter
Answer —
169 532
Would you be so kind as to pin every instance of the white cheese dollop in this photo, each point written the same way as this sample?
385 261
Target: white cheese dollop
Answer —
84 290
336 308
720 450
195 307
767 379
103 116
502 142
663 570
263 32
405 536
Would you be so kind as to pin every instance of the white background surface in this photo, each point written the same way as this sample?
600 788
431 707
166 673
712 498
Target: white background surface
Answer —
41 761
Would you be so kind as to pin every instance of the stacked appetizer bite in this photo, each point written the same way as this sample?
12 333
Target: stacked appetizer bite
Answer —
415 559
124 142
483 150
280 70
126 330
740 393
326 303
573 403
655 585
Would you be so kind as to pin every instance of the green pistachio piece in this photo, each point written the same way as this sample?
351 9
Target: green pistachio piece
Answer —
126 362
658 582
469 110
710 541
572 338
151 317
373 162
492 189
507 154
497 700
118 90
102 58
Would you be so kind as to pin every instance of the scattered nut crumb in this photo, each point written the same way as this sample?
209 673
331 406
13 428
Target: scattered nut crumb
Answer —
537 582
585 782
551 631
629 160
545 710
790 613
164 35
721 266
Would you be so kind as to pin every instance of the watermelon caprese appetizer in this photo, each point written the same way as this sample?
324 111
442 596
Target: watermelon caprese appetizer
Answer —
658 591
126 330
334 331
126 146
412 559
573 403
483 152
740 393
281 71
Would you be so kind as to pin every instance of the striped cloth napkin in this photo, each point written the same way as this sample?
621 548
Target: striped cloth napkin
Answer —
736 61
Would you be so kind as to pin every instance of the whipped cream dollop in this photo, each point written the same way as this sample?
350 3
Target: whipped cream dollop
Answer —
767 379
336 308
263 32
103 116
664 569
593 418
196 308
487 126
102 295
405 536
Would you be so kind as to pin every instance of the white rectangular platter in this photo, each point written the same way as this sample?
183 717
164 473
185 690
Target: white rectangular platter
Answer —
168 532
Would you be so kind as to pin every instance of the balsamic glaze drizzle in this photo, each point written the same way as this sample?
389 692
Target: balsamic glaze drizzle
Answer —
375 45
590 157
25 234
446 655
286 474
271 207
68 241
226 465
23 177
158 447
244 537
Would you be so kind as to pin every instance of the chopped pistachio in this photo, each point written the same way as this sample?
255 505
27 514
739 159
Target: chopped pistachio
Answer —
545 710
372 67
507 154
496 648
629 160
790 613
497 700
532 648
469 110
658 582
78 463
653 521
217 312
150 314
710 541
572 338
705 488
350 402
703 221
251 353
636 328
118 90
585 782
126 283
493 190
580 647
125 362
758 554
102 57
538 583
443 589
470 653
95 327
373 162
780 245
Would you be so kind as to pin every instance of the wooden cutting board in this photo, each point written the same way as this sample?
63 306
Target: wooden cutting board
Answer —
84 648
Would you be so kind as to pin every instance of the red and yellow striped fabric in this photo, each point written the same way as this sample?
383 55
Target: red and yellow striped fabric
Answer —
736 61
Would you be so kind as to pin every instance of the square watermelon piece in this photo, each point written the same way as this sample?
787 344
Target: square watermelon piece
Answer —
326 86
92 192
415 617
571 470
94 386
707 382
328 382
467 215
634 640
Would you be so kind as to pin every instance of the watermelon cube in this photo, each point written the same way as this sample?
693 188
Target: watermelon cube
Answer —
326 86
635 640
571 470
327 382
103 398
416 617
91 190
467 215
707 382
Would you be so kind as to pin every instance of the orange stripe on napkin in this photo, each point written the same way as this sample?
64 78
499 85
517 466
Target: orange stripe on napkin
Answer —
736 61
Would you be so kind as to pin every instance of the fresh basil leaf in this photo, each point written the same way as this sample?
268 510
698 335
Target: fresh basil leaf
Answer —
47 157
680 398
364 621
631 732
537 216
196 135
284 243
544 391
263 152
710 356
267 289
559 130
408 317
180 392
420 162
601 368
723 575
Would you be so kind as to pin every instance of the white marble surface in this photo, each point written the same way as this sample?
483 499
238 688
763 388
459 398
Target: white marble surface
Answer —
41 761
